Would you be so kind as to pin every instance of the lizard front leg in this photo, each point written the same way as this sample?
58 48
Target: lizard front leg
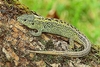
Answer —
38 28
37 33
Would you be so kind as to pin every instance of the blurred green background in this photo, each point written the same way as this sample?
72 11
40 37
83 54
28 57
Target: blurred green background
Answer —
83 14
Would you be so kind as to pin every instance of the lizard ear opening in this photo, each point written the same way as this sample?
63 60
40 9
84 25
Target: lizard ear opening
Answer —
32 23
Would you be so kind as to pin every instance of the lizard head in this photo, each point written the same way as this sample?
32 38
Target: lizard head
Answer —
26 19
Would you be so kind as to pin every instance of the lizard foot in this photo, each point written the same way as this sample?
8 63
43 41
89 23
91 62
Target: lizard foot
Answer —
38 33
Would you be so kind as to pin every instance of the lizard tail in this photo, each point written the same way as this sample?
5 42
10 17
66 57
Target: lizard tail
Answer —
87 48
66 53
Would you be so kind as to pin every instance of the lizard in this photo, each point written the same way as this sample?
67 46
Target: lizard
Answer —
59 27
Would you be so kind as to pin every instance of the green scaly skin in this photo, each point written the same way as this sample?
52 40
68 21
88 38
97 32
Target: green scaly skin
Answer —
58 27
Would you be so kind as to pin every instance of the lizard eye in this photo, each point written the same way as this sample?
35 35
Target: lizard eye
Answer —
24 19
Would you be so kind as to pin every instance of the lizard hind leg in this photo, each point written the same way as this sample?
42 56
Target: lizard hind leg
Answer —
71 44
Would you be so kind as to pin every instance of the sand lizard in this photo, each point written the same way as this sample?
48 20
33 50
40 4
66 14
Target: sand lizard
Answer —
58 27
